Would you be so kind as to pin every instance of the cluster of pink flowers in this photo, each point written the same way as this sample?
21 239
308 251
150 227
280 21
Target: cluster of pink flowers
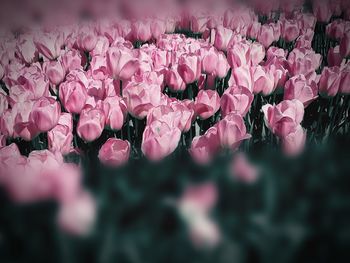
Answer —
77 79
44 175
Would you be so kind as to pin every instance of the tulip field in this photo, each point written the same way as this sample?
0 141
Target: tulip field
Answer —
175 131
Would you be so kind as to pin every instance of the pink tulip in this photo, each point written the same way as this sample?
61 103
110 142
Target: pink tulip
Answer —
158 28
73 95
189 68
115 111
2 72
222 67
49 44
243 170
204 147
101 47
160 59
111 87
55 72
23 127
321 9
278 67
60 137
334 58
2 143
186 113
121 63
236 99
264 80
336 29
141 30
275 52
238 55
19 94
37 180
91 123
159 140
45 113
284 117
330 81
345 45
303 61
86 39
222 38
294 142
174 80
71 60
114 152
266 35
242 76
289 30
31 79
96 89
98 68
256 53
306 21
141 97
26 50
207 103
77 216
198 23
165 114
232 131
344 85
11 162
298 87
253 30
209 58
304 41
3 102
67 182
7 121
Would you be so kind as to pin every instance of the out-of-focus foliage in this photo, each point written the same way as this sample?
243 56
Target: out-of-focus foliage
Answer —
298 211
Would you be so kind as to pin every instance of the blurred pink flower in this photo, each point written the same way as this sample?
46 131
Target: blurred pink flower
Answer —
294 142
243 170
77 216
321 9
204 147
